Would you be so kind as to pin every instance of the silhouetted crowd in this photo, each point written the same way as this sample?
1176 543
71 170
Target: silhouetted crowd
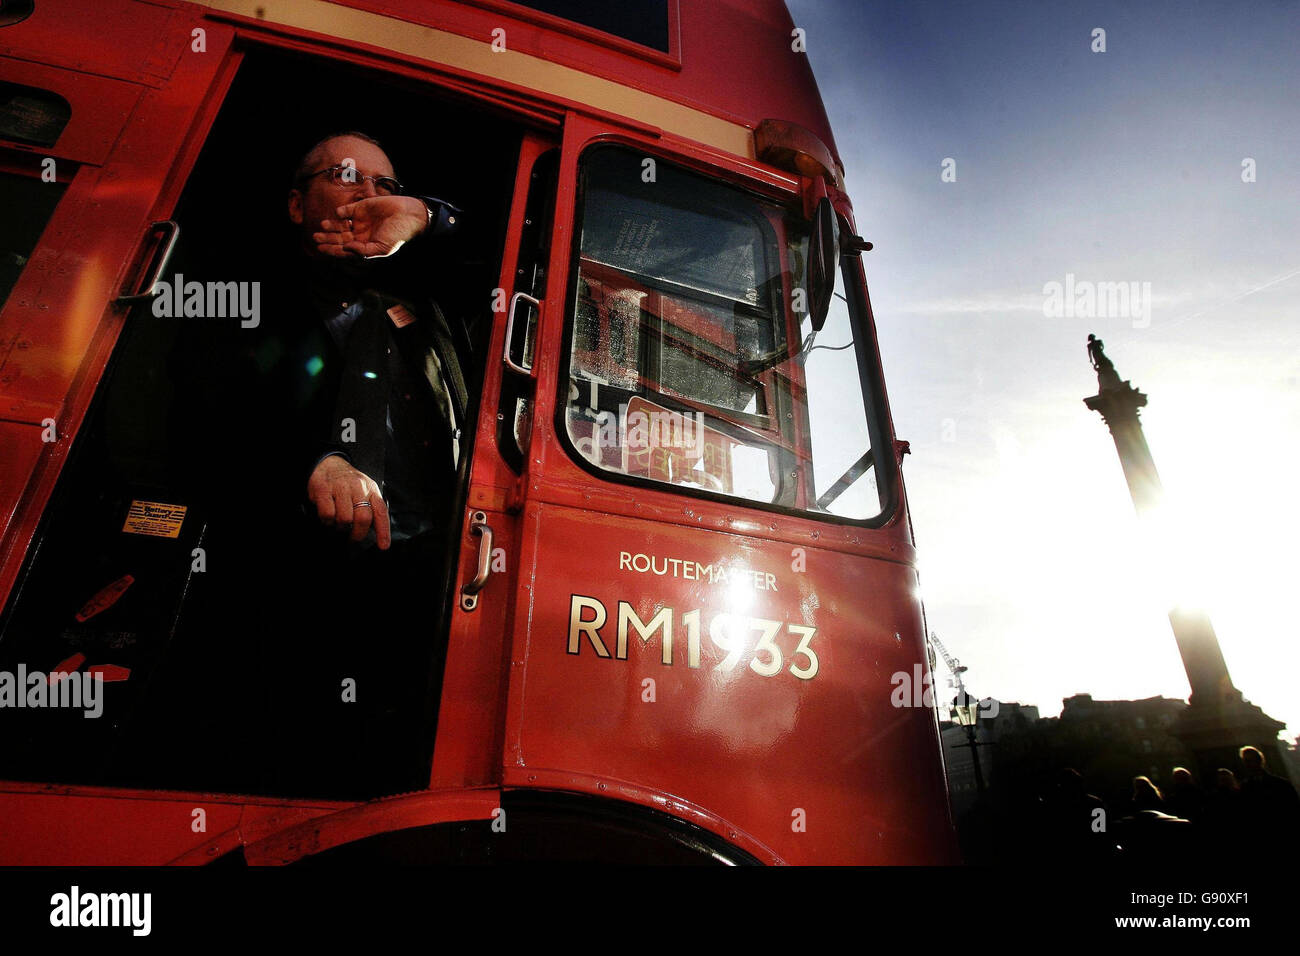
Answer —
1247 815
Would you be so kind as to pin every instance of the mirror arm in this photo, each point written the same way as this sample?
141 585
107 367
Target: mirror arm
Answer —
856 245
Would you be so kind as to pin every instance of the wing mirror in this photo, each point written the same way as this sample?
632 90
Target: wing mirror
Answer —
823 262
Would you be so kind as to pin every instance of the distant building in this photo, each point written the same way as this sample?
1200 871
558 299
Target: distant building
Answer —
962 789
1112 741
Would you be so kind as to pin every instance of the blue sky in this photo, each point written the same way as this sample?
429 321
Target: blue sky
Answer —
1117 166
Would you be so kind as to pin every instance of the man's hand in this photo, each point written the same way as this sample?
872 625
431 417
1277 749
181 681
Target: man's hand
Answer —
372 228
338 491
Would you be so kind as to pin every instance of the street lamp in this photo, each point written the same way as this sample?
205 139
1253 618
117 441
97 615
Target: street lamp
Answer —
967 711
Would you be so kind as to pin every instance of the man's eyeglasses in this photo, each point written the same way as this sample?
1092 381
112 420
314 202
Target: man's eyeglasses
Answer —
348 176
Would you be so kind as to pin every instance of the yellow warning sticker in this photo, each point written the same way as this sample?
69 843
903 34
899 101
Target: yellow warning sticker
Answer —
155 518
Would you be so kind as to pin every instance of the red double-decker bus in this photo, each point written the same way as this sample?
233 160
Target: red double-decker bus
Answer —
679 576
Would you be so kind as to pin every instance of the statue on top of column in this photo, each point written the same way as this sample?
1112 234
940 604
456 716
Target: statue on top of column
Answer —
1107 377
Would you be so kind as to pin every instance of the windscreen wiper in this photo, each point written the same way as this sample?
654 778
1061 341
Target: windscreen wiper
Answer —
856 471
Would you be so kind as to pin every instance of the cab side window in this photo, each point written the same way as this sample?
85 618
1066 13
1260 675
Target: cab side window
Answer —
692 360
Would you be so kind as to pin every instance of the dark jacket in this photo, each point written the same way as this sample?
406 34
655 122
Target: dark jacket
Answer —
273 399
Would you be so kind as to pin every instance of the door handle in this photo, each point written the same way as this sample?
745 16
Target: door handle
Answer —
469 593
172 231
510 331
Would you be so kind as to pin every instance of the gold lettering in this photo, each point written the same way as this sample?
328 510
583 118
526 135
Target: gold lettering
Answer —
627 615
578 627
692 621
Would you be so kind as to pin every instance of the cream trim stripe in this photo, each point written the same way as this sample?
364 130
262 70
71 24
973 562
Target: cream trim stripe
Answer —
476 56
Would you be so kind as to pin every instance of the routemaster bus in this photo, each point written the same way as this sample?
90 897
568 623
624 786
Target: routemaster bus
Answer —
676 576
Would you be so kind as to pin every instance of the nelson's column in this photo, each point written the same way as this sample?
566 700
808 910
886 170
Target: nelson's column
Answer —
1217 721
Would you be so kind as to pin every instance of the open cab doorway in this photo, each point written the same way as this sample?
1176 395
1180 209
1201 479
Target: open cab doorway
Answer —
176 561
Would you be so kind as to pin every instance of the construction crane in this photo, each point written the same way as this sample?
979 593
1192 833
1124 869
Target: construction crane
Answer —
962 700
955 667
